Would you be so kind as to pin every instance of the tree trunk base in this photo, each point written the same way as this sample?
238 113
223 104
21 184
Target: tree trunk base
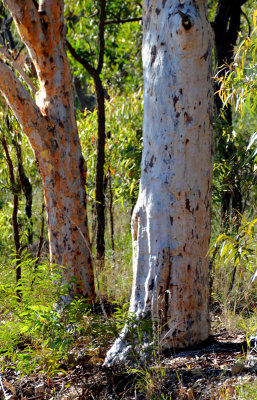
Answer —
129 349
127 352
120 351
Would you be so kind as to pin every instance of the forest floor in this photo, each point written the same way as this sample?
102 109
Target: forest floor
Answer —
211 372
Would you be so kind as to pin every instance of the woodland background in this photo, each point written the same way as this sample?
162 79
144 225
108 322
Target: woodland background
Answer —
36 332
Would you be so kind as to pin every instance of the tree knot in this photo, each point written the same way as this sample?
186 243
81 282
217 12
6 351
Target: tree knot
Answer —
186 21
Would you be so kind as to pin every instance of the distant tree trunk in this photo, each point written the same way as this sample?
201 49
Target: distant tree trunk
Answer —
100 158
15 191
226 27
171 221
111 214
51 129
100 190
27 190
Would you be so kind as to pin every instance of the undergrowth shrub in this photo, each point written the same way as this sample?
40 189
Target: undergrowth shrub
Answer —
38 330
235 265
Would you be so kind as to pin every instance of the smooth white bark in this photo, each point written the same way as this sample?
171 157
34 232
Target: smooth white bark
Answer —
171 221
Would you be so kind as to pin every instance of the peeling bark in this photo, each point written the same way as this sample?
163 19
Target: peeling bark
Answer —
171 221
51 129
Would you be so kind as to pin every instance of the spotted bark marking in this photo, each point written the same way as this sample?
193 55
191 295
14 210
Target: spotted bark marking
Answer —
153 54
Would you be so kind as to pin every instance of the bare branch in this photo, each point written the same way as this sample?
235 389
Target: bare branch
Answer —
101 36
7 56
19 52
248 22
122 21
91 70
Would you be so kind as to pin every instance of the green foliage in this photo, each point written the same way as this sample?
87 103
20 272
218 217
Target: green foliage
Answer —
235 256
246 391
151 380
243 246
239 165
239 85
13 135
38 330
123 148
151 374
122 41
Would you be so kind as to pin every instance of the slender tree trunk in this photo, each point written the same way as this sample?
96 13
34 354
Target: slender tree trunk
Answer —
100 95
15 224
100 190
51 128
111 214
41 237
171 221
27 190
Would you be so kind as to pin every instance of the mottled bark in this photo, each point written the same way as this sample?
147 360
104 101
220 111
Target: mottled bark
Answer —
51 129
171 221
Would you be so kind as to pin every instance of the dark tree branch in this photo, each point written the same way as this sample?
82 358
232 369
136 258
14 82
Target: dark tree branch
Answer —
139 4
91 70
123 21
15 224
248 23
101 36
41 239
19 52
99 185
26 188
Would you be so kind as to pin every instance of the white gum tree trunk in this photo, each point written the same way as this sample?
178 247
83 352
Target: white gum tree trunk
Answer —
171 221
49 123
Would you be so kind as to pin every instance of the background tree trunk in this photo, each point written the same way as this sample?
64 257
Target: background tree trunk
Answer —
15 191
226 26
101 139
171 221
